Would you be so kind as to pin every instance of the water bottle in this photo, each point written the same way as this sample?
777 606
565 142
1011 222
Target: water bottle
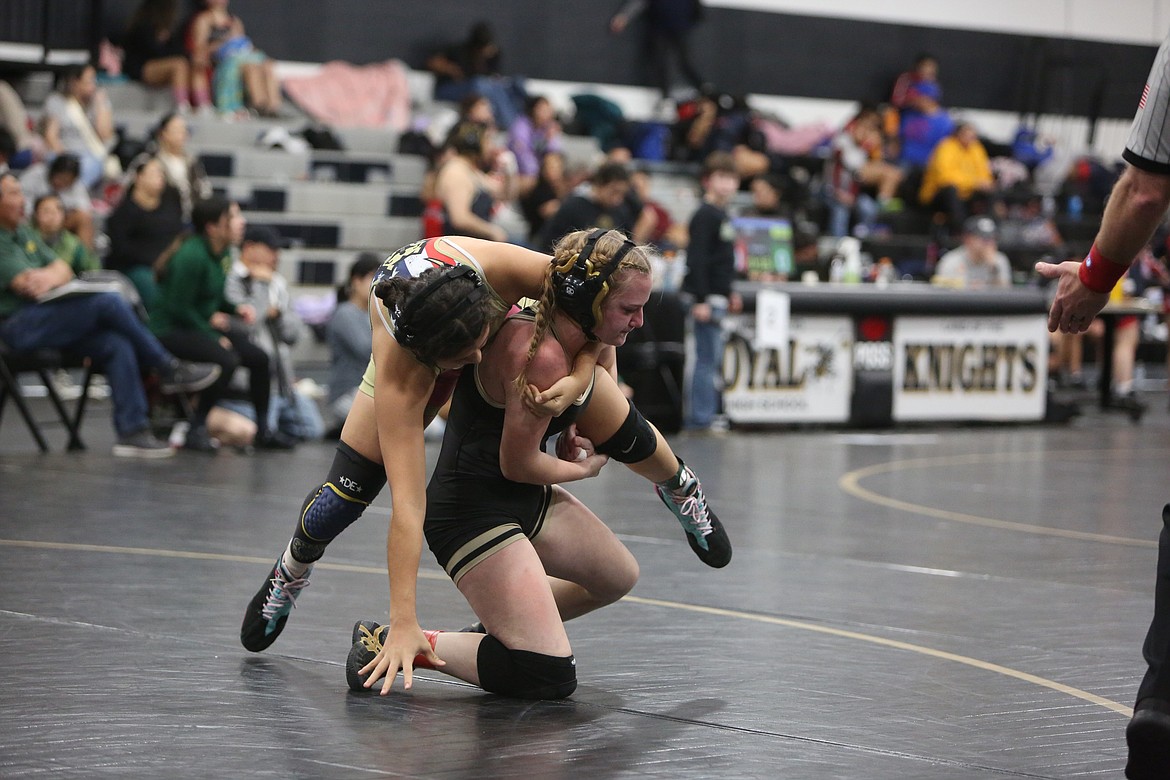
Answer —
1075 207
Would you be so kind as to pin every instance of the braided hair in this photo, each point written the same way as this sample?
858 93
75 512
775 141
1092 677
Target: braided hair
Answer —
441 320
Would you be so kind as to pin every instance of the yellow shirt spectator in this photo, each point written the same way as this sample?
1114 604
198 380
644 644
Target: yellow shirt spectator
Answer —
958 161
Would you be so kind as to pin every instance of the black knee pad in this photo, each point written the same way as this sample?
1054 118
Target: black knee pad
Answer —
354 481
633 442
523 674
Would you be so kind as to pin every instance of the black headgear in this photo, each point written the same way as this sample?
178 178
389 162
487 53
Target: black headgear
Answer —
581 286
408 331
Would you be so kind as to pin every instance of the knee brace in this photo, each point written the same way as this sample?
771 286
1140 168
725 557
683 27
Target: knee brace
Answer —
353 483
523 674
634 441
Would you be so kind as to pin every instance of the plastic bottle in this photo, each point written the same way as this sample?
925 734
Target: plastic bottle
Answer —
850 250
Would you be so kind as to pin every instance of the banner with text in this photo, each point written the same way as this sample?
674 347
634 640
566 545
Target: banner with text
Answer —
970 368
808 379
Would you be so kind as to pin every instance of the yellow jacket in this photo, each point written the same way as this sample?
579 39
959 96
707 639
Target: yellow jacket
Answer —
953 165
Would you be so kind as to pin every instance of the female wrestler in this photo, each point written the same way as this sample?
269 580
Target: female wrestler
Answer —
525 555
434 304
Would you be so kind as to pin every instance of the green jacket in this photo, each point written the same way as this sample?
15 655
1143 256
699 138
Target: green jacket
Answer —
70 249
190 289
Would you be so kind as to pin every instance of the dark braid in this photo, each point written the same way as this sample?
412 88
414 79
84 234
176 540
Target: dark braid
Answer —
454 336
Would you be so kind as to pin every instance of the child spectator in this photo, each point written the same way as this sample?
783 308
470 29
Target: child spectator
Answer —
254 281
710 269
49 222
855 171
62 178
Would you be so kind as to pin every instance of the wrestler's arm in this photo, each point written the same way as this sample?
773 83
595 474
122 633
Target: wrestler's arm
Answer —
401 389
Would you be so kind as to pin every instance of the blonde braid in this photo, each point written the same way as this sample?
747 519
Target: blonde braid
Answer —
544 312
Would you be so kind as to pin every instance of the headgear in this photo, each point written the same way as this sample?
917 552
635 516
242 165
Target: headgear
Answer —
581 286
408 331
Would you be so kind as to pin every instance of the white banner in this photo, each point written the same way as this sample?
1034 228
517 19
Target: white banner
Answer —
808 379
970 368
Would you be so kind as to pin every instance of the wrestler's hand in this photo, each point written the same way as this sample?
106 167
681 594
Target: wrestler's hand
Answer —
553 401
403 643
572 447
592 464
1075 305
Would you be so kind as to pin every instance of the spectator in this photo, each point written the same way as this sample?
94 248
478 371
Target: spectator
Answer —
19 147
62 178
606 206
660 228
922 122
976 264
242 75
155 55
192 318
710 269
142 226
101 327
49 222
531 136
668 26
255 281
474 66
350 339
463 201
183 171
546 195
958 178
79 120
861 183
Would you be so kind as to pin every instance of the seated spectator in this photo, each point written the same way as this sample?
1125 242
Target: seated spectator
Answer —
546 194
350 339
192 318
861 183
474 66
183 171
464 202
661 230
79 120
19 146
719 123
606 206
142 226
531 136
48 220
242 75
62 177
254 281
976 264
101 327
922 122
957 180
155 56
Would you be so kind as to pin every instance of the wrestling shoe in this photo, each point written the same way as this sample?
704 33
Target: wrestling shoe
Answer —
705 533
368 637
268 611
1148 736
367 643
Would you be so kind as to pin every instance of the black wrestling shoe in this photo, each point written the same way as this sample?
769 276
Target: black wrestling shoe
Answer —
367 642
1148 736
269 609
474 628
705 533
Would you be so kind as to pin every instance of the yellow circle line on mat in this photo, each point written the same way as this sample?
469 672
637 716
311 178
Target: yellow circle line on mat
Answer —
730 613
849 482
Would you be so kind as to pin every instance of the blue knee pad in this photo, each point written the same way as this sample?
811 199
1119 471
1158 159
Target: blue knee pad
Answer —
353 483
523 674
633 442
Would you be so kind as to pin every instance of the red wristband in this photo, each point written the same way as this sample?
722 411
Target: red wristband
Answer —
1099 273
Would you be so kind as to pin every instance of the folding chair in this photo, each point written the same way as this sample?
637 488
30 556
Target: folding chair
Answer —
40 362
